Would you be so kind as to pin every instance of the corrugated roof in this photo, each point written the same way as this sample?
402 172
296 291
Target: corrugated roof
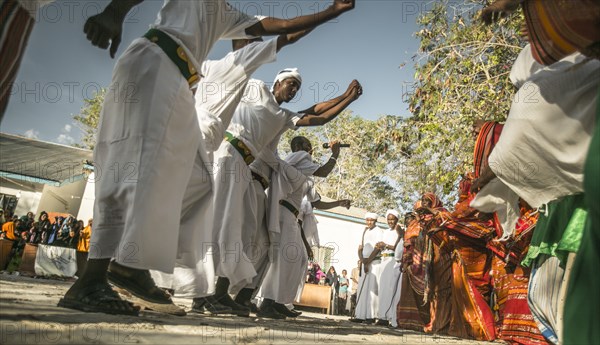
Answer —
39 161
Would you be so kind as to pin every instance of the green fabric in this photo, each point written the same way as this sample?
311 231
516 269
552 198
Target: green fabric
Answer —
558 230
582 307
175 53
240 147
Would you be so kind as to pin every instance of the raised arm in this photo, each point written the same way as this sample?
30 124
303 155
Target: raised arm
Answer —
499 9
277 26
320 114
107 26
322 107
323 205
327 168
287 39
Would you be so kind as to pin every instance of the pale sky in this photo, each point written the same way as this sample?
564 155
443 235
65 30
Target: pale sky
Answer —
60 67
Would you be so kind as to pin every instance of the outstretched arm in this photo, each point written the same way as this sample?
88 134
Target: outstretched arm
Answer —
277 26
287 39
107 26
323 205
322 107
499 9
321 113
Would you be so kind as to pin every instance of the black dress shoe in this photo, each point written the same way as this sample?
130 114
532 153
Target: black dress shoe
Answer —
236 309
282 309
370 321
268 311
210 305
356 320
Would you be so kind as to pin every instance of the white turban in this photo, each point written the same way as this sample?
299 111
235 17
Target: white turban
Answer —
371 215
392 212
285 74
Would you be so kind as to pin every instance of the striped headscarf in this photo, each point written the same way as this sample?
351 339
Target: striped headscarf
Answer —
558 28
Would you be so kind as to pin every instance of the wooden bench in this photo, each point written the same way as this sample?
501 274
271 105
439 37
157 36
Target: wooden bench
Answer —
27 265
5 247
317 296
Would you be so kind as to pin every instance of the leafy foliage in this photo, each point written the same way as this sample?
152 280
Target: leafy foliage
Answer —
462 70
88 119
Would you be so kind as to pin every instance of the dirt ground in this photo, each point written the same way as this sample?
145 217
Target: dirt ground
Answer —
29 315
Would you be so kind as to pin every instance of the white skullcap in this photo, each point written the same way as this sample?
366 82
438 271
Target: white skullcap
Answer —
392 212
371 215
287 73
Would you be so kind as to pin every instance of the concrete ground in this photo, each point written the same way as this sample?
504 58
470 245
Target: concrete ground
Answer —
29 315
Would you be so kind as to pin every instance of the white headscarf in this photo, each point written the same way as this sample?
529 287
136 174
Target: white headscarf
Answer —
285 74
371 215
392 212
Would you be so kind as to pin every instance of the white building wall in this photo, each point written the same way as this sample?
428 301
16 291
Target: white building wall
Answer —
345 237
28 200
86 209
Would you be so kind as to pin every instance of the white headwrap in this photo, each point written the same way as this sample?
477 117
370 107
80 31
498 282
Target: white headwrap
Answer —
371 215
285 74
392 212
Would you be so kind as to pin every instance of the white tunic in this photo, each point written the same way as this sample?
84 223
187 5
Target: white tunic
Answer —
221 90
198 25
542 149
258 119
149 136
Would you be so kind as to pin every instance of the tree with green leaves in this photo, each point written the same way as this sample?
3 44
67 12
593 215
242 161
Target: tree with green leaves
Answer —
462 69
370 172
88 119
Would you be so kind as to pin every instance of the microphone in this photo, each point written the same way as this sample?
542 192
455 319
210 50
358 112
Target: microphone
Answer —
326 145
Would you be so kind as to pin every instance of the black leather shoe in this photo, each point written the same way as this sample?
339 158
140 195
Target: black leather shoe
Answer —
210 305
282 309
356 320
268 311
236 309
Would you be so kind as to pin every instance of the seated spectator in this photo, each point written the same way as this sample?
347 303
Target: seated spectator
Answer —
9 229
42 227
54 231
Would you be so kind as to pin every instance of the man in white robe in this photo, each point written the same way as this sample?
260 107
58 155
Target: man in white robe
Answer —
289 261
149 137
217 97
258 123
389 287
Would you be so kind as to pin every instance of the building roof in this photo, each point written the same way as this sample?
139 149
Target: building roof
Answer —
37 161
354 214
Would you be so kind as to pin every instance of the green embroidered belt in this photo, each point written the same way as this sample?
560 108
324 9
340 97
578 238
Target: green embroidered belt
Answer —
176 53
240 147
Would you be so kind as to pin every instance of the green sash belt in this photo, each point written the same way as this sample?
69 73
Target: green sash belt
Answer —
289 207
175 53
240 147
